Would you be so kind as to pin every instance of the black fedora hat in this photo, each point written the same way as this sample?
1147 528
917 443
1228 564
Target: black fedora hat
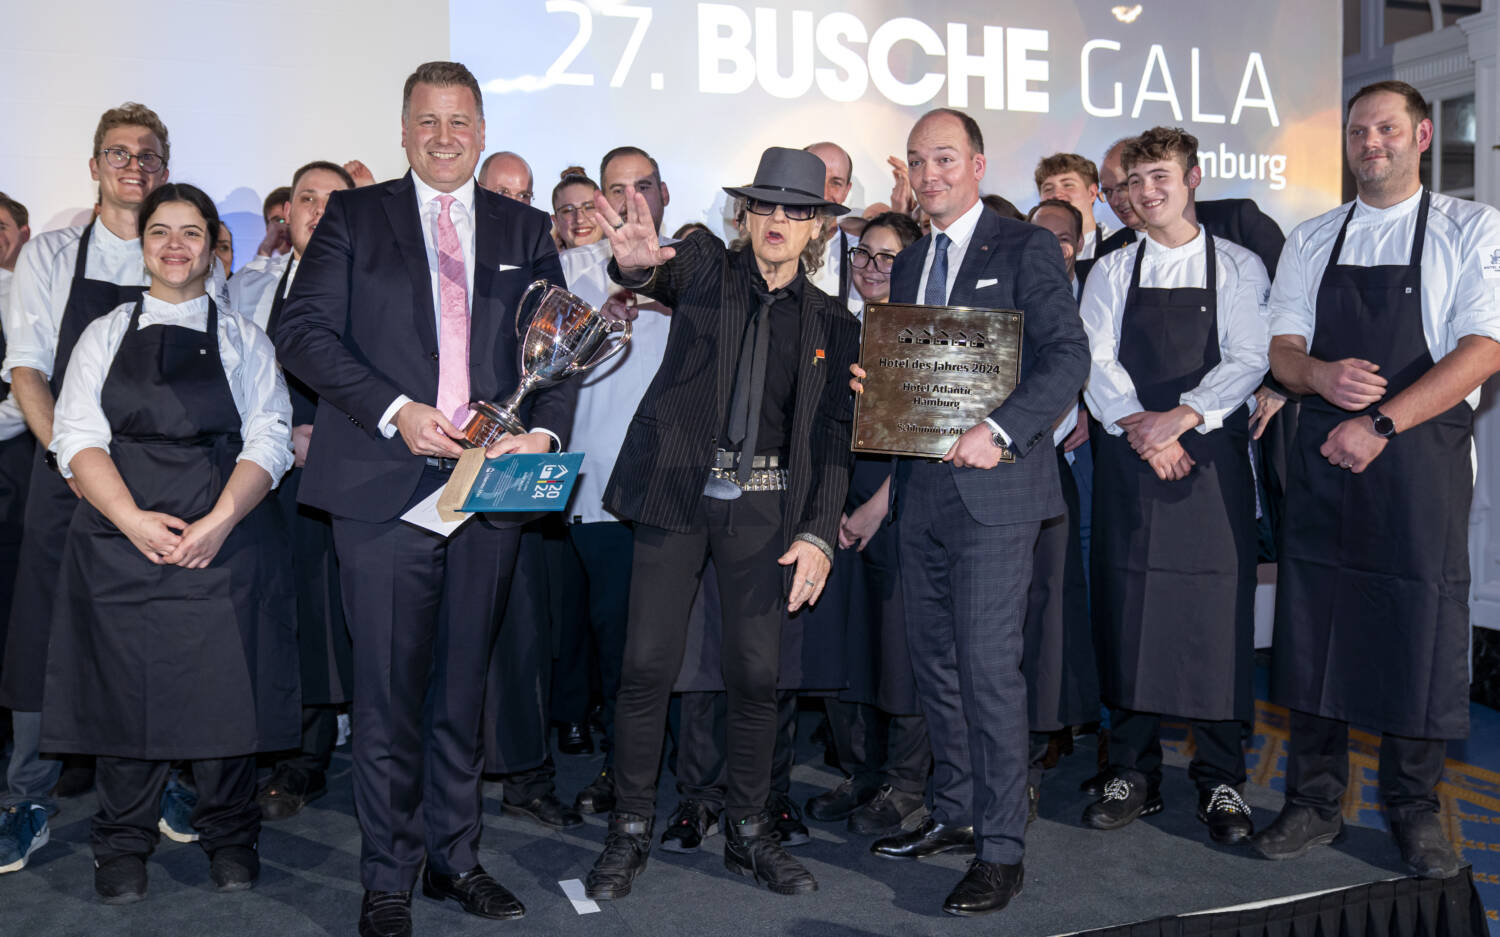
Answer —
788 177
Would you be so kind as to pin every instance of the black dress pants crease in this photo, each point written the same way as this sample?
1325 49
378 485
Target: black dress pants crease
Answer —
130 791
1317 767
1135 743
877 748
745 539
423 612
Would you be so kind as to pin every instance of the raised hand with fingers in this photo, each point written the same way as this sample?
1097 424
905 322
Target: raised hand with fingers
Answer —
632 239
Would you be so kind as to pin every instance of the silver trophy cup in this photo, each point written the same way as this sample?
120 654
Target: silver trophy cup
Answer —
566 336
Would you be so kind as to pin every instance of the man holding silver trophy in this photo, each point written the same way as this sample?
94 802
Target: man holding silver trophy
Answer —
739 450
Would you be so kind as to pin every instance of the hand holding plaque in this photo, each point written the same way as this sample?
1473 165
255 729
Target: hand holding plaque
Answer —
932 373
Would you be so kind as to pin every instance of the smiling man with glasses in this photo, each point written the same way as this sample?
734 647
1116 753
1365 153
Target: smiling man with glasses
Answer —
64 280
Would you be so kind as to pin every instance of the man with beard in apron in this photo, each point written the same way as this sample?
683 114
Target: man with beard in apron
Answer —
173 633
1386 318
64 280
1178 336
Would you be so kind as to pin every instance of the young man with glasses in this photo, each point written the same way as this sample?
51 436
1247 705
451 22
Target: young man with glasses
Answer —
64 280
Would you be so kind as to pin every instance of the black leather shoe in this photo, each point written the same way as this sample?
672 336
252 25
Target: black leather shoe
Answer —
476 890
573 738
121 880
1127 796
385 914
691 823
789 829
1227 815
890 812
288 791
627 846
1094 784
1424 847
548 811
1296 830
234 868
837 804
752 849
987 887
929 839
599 796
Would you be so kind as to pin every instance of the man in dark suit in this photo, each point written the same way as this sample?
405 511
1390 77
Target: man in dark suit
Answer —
968 523
406 298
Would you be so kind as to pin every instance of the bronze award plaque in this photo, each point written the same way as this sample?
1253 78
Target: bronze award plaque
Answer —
932 373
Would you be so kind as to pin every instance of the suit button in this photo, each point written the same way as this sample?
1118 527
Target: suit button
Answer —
434 356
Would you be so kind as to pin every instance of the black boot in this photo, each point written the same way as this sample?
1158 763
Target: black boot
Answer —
1424 846
627 845
1296 830
752 850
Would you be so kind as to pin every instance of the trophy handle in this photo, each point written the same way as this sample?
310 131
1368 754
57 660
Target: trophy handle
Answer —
522 304
609 352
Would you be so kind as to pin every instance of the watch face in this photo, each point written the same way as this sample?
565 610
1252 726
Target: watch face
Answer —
1384 425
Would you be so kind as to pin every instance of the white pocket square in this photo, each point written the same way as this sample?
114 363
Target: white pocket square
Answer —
981 284
504 267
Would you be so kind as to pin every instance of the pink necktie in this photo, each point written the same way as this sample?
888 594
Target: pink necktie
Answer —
453 331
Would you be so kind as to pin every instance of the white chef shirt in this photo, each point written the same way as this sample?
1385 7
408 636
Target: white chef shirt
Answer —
1244 339
608 396
1460 267
1091 239
252 290
249 361
43 280
12 424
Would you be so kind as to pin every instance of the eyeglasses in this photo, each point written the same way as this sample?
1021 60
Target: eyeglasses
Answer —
119 158
524 196
568 211
862 258
793 212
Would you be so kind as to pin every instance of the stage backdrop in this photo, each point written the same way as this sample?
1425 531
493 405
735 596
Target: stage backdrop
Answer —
250 91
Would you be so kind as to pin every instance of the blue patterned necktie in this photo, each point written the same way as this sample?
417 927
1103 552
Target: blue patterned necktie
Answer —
937 279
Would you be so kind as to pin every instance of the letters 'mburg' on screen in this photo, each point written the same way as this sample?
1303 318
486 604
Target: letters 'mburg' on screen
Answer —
932 372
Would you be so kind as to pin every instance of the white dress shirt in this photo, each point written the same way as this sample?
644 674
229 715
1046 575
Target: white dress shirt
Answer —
834 259
608 396
43 280
1091 238
249 361
252 290
1460 267
1244 338
12 424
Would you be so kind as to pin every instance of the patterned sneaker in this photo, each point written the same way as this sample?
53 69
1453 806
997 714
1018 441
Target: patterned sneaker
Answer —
177 803
691 823
23 830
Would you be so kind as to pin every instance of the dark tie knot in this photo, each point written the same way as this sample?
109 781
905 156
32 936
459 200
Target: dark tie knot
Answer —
768 298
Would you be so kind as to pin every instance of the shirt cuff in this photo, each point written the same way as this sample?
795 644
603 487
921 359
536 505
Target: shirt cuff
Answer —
13 361
818 542
387 426
1212 419
67 453
556 443
635 286
272 466
996 427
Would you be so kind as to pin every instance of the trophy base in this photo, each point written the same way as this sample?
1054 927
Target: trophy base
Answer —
488 423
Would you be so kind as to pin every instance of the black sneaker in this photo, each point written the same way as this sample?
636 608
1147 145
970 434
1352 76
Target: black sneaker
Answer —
234 868
599 796
1126 797
288 791
627 846
835 805
1424 846
890 811
787 819
752 849
547 810
1227 815
691 823
121 880
1296 830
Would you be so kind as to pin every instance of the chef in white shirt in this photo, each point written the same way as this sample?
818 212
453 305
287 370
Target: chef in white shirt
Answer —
64 280
1178 336
16 443
606 399
1385 317
1075 180
834 277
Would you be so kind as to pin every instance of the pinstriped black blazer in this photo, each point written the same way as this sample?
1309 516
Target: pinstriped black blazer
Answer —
663 464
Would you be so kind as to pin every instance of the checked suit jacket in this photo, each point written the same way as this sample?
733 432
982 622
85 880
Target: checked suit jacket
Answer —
1020 266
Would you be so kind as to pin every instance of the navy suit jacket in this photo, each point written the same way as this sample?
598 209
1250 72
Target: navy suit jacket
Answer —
1025 263
359 328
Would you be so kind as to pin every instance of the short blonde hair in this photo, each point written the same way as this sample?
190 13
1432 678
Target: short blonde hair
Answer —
131 114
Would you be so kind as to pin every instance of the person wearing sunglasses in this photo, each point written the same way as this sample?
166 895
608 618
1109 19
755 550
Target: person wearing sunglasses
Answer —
739 452
64 280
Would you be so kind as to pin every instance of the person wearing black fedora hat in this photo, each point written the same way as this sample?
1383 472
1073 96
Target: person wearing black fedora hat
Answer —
738 451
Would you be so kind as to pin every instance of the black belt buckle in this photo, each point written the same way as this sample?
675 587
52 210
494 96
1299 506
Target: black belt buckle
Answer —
442 465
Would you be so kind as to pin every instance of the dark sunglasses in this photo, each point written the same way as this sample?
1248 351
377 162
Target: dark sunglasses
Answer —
793 212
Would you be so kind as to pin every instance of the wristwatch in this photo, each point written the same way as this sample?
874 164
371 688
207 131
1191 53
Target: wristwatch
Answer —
998 440
49 459
1385 427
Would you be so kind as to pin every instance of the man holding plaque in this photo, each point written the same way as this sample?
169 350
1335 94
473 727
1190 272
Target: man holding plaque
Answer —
969 521
738 451
401 314
1178 331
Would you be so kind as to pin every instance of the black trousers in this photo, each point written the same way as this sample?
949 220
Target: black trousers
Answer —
1317 767
567 596
702 751
877 748
1135 743
604 550
745 539
130 805
423 612
320 733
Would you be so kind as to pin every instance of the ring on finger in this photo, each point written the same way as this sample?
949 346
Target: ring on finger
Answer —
811 583
618 224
